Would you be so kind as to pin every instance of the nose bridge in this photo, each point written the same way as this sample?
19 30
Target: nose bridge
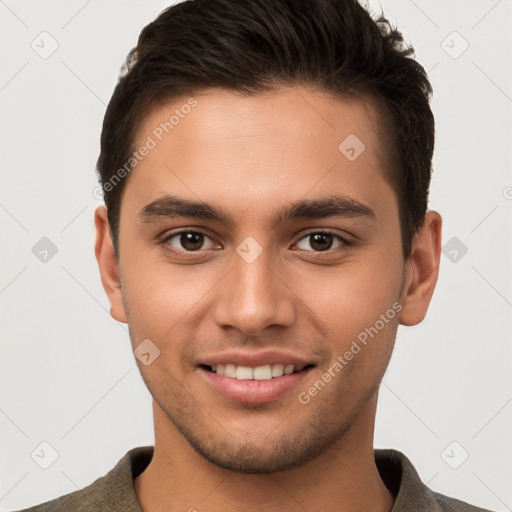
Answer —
254 296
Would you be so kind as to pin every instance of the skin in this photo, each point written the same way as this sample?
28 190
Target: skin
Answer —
252 155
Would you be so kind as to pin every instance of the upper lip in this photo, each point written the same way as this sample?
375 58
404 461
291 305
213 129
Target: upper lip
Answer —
254 359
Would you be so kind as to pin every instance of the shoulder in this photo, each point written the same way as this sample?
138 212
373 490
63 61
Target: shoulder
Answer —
89 498
113 492
402 479
447 504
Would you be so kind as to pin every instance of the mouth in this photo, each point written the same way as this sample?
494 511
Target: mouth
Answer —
262 372
255 380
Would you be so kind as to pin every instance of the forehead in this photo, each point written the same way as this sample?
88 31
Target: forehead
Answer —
275 147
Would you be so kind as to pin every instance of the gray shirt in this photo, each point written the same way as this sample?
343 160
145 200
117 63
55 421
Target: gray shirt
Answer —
115 491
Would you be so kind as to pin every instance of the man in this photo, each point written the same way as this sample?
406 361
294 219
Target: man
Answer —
266 167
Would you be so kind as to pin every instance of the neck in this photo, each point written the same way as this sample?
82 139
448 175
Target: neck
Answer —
343 478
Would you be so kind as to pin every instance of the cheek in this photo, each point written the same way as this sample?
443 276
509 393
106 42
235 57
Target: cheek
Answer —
171 306
159 295
351 297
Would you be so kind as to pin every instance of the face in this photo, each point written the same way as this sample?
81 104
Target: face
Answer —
292 263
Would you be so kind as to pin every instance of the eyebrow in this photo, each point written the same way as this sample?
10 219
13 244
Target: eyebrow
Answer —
170 206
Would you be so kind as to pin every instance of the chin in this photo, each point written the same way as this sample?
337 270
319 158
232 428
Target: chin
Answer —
275 452
250 459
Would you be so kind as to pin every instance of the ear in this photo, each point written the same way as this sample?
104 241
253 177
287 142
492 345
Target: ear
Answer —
422 270
108 264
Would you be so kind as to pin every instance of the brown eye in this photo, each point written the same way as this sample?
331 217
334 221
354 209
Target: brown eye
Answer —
188 241
320 241
191 241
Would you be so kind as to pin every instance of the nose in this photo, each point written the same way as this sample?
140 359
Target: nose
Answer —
254 296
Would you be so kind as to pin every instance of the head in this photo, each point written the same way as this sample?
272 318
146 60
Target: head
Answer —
256 46
294 142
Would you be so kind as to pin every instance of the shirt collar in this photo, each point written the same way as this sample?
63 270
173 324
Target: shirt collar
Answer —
394 467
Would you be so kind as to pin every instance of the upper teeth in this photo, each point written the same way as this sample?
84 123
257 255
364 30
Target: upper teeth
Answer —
264 372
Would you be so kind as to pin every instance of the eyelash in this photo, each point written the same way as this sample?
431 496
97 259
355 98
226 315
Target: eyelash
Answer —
344 242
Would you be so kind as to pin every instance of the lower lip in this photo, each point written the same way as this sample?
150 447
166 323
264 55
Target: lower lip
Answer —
253 391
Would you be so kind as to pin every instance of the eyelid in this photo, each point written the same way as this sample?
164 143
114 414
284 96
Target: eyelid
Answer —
344 240
168 235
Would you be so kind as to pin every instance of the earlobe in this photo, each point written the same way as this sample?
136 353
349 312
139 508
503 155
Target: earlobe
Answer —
422 270
108 264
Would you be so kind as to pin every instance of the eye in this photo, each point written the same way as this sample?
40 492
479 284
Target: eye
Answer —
321 241
189 241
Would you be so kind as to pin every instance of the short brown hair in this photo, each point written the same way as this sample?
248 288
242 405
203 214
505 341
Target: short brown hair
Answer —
256 45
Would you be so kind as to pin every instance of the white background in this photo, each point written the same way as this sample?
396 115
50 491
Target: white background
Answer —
67 374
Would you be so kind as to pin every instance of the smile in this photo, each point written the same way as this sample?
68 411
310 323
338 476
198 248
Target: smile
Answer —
263 372
254 385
